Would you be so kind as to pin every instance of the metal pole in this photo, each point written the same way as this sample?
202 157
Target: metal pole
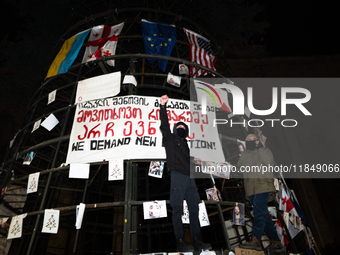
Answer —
127 208
77 233
34 233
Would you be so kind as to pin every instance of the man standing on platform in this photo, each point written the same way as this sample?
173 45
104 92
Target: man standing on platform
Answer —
182 186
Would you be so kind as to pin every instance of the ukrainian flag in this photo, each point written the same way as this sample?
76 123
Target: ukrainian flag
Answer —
67 54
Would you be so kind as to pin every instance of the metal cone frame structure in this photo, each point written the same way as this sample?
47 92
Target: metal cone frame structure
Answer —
113 217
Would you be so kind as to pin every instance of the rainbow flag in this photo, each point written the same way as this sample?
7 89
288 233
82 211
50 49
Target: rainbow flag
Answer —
67 54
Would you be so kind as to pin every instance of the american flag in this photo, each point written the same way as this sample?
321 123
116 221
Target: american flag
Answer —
102 42
200 53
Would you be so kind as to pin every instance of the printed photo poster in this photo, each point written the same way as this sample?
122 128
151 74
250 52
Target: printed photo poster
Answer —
51 96
51 221
33 181
185 215
297 223
29 158
36 125
15 229
116 170
183 69
156 169
173 80
272 212
241 146
223 170
154 209
203 215
238 214
286 218
213 194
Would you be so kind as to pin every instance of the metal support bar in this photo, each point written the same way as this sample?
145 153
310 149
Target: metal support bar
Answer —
78 230
127 208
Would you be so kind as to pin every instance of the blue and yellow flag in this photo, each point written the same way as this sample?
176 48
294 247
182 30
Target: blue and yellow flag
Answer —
67 54
159 39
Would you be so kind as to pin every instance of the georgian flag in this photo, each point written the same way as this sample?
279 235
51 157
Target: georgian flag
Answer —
281 233
102 42
286 204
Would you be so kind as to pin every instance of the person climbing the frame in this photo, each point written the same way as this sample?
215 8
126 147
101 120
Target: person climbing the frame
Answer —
259 190
182 186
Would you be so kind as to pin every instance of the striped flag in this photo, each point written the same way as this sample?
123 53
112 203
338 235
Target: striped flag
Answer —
200 53
67 54
102 42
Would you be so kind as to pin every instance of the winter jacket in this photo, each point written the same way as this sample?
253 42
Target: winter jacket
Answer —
177 150
257 182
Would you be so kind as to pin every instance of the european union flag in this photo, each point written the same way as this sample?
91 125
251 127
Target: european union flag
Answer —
159 39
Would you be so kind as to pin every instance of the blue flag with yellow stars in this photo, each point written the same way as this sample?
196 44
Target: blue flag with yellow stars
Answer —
159 39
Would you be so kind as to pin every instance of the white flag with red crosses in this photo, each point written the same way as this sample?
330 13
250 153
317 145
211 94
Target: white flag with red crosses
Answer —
102 42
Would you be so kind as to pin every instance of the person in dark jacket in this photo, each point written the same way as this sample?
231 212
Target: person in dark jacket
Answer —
182 186
259 188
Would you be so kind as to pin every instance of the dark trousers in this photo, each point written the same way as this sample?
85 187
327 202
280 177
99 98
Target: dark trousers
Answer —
182 186
262 220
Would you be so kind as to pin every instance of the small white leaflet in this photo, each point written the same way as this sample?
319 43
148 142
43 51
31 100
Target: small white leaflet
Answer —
3 222
203 215
15 229
36 125
50 122
33 181
12 141
247 111
101 86
51 221
51 96
79 215
130 79
116 170
185 216
79 170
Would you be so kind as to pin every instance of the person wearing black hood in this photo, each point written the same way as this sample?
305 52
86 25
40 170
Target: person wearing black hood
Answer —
259 188
182 186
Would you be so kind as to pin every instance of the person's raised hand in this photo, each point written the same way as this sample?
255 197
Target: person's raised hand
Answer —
164 99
